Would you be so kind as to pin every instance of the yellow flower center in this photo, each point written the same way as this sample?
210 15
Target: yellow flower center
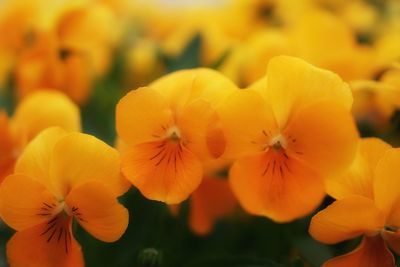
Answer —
173 133
62 209
278 142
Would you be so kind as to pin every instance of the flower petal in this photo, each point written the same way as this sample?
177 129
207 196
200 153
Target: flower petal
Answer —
7 157
358 179
215 138
198 123
212 200
35 247
184 86
78 77
96 208
372 252
78 158
24 202
44 109
6 142
272 185
324 136
142 115
248 123
387 186
393 240
162 170
35 159
307 84
345 219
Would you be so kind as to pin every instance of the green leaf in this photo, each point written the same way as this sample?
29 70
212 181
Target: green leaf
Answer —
221 60
149 257
5 235
314 252
298 263
188 59
7 99
238 261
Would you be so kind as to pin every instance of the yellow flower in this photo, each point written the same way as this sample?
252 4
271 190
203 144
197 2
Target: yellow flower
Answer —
60 177
367 205
376 101
288 132
42 109
143 62
247 61
92 30
311 42
168 128
47 65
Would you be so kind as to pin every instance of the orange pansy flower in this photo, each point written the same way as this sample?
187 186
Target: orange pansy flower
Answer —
248 60
59 177
367 204
90 29
47 64
42 109
310 41
168 128
376 101
288 131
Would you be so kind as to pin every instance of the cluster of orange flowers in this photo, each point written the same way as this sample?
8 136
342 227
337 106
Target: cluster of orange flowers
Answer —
288 138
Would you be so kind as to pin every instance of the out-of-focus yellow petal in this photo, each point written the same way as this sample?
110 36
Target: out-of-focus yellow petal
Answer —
36 157
387 186
372 252
77 77
387 48
248 62
324 135
358 179
345 219
96 208
22 202
248 123
44 109
78 158
38 246
86 26
7 149
276 186
376 101
212 200
307 84
392 93
311 42
142 115
361 15
39 66
162 170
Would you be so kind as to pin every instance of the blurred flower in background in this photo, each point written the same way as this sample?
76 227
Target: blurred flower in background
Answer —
37 112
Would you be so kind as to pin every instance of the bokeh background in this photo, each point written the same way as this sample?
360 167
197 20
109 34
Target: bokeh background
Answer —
96 51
